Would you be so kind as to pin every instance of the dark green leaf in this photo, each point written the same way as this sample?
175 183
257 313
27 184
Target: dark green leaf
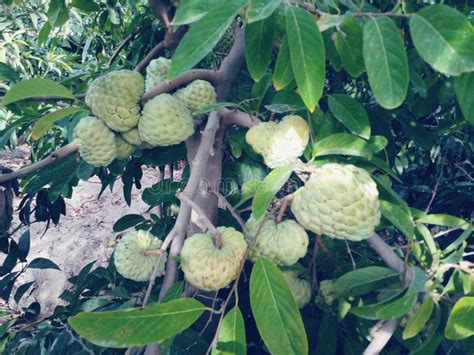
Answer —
349 46
42 263
161 192
174 292
461 320
283 72
258 47
24 245
57 13
386 62
307 55
261 9
399 217
231 340
275 311
351 114
464 87
127 221
85 5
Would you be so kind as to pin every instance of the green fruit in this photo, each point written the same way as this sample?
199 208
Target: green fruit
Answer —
197 95
340 201
165 121
129 257
209 268
123 148
283 243
300 289
114 98
156 72
326 291
97 144
279 144
133 137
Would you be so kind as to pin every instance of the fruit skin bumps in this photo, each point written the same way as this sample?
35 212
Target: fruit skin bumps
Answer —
340 201
114 98
279 144
165 121
156 72
97 143
300 288
283 243
197 95
209 268
129 257
123 148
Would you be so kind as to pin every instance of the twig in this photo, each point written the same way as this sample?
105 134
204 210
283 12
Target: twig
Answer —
230 117
386 253
230 208
435 189
50 159
79 340
350 255
382 332
122 45
283 207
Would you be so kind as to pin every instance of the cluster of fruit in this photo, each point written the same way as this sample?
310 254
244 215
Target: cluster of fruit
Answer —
119 125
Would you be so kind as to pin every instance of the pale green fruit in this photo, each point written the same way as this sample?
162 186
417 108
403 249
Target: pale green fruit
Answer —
340 201
279 144
97 144
114 98
156 72
326 291
133 137
208 268
129 257
197 95
165 121
283 243
124 149
301 289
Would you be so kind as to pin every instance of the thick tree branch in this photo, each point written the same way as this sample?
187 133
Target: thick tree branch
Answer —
243 119
387 254
381 332
50 159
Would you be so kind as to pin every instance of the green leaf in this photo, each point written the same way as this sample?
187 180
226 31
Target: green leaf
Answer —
459 241
370 311
362 281
161 192
57 13
45 123
399 217
307 55
42 263
85 5
397 308
461 320
203 36
464 87
174 292
35 87
419 319
190 11
275 311
443 220
44 33
283 73
343 144
351 114
267 189
349 40
386 62
258 47
444 38
261 9
137 327
231 340
127 221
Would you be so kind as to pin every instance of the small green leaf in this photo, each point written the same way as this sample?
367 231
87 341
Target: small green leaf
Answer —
127 221
261 9
174 292
203 36
443 220
35 87
283 73
444 39
307 55
459 241
267 189
161 192
343 144
231 340
57 13
275 311
399 217
137 327
42 263
362 281
386 62
85 5
258 47
46 122
464 87
351 114
461 320
419 319
349 46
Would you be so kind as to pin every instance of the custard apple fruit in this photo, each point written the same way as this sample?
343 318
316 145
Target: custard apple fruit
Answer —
124 149
208 268
283 243
156 72
97 144
114 98
197 95
279 144
165 121
131 261
133 137
300 288
340 201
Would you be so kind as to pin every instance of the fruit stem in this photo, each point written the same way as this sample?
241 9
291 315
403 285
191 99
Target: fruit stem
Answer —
150 252
284 205
218 240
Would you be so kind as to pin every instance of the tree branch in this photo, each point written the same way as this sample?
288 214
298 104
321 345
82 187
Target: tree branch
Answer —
122 45
382 332
50 159
230 117
387 254
150 56
185 199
